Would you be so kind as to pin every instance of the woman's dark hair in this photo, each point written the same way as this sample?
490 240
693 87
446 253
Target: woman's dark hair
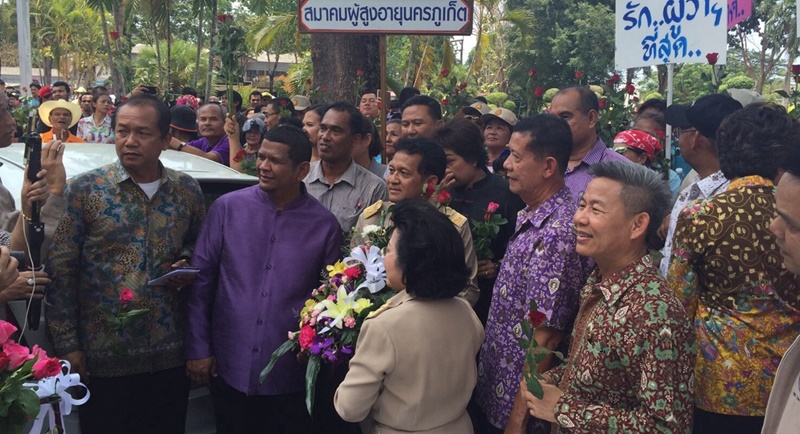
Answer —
465 139
290 120
375 145
282 103
320 110
430 253
756 140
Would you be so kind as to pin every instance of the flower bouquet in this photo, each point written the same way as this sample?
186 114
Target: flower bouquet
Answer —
331 319
19 364
534 353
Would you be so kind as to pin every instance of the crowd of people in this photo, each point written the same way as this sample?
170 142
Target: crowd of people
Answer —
674 305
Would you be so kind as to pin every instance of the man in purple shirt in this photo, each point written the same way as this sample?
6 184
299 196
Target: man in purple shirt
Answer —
540 264
213 142
260 253
579 106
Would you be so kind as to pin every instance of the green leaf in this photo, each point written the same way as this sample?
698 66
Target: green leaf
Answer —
535 387
782 93
311 382
280 351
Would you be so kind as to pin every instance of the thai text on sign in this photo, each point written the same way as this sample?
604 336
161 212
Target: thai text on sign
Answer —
452 17
738 11
652 32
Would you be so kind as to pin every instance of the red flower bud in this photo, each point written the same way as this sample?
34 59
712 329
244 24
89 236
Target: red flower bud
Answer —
457 90
324 87
796 69
538 92
463 85
536 318
308 81
603 103
225 17
429 189
359 72
630 88
712 58
578 74
531 72
615 78
113 35
125 296
444 197
444 103
445 72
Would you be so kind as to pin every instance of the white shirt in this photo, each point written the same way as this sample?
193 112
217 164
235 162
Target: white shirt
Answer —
699 189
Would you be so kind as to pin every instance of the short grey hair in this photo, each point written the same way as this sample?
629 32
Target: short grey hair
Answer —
643 190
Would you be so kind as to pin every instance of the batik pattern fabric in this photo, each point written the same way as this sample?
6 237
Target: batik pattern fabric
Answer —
631 360
727 270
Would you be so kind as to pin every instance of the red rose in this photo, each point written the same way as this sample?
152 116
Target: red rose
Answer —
444 103
4 360
352 272
125 296
283 103
444 197
113 35
603 103
359 72
538 92
578 74
17 354
6 330
457 91
308 81
429 189
615 78
463 85
324 87
712 58
445 72
493 207
240 155
224 17
630 88
536 318
44 368
796 69
531 72
307 335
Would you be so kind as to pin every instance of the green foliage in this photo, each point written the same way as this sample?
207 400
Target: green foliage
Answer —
549 94
511 105
738 81
496 98
653 95
182 65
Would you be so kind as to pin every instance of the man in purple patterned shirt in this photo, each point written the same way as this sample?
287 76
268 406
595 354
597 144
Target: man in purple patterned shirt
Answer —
579 106
540 264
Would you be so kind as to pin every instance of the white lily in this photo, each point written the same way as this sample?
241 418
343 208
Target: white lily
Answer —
345 305
375 273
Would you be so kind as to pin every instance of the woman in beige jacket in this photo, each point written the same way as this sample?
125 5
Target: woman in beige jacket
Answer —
414 367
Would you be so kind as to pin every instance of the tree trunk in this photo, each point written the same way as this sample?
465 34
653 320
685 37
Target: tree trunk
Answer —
209 82
117 75
336 57
112 66
169 49
199 47
158 53
48 68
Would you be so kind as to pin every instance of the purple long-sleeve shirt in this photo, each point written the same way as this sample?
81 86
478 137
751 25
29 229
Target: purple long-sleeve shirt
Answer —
258 265
578 177
221 147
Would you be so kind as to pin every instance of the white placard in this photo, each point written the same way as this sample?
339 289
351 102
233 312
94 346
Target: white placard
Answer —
653 32
448 17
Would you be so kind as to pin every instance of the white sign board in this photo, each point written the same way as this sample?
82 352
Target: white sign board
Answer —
653 32
442 17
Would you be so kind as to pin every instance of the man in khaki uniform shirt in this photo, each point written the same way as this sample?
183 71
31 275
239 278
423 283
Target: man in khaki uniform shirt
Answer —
418 163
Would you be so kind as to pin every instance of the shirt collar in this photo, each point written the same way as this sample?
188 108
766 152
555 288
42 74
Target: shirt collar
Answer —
595 154
750 181
615 286
537 216
349 175
710 184
119 174
298 202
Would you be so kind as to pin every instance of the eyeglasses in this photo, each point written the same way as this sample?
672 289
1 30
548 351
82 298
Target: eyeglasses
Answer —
679 130
268 113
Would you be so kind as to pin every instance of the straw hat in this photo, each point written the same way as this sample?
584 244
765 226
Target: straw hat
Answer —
48 106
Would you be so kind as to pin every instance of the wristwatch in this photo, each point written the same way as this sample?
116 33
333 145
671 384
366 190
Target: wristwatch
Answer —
180 147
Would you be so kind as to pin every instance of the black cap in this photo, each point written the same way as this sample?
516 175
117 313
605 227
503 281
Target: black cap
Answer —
183 118
706 114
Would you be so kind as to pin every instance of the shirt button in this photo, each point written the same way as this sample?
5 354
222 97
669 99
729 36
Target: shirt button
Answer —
255 350
269 266
260 321
264 293
273 239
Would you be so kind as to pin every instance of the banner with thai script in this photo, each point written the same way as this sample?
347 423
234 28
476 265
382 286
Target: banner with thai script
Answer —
653 32
441 17
738 11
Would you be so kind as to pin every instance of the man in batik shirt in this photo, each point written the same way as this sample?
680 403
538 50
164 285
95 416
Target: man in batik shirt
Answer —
727 270
631 359
540 264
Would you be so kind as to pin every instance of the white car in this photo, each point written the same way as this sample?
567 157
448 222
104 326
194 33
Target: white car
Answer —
215 180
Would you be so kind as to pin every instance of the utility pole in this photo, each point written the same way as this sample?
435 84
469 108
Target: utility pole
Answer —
24 44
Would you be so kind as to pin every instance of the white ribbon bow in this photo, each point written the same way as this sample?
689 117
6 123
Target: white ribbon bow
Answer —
375 278
56 386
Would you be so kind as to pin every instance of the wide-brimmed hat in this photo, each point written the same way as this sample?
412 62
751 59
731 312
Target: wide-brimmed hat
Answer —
47 107
300 102
501 113
183 118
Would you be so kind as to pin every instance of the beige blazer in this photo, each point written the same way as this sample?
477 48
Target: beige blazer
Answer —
414 368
